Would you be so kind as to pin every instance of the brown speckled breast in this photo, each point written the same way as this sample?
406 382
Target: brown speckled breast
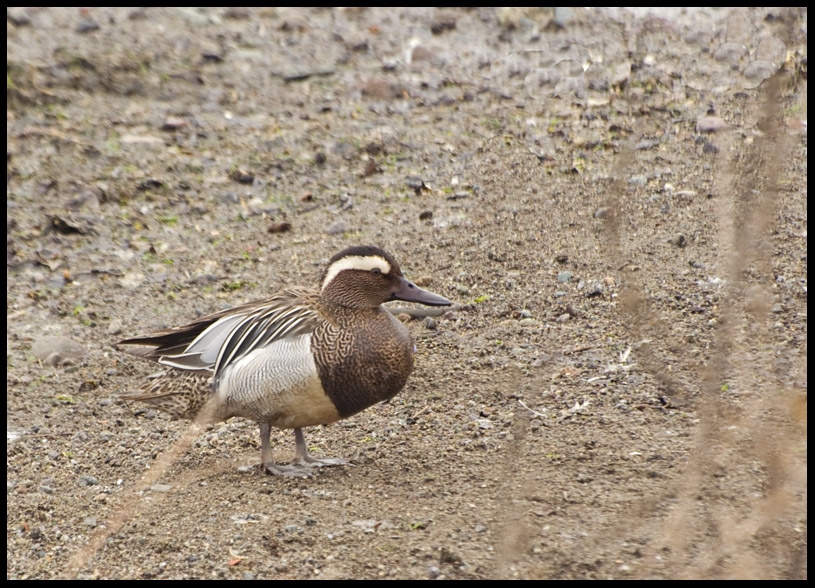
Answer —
364 356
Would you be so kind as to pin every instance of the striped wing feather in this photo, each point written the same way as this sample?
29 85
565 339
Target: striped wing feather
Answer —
217 340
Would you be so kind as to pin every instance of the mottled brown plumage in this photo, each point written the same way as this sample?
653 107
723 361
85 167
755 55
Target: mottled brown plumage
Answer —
300 358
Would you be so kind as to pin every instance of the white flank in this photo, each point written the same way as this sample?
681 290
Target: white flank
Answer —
355 262
278 384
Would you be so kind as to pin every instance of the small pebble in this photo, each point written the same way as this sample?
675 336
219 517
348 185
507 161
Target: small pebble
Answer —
416 183
338 227
370 168
423 281
114 327
710 124
646 144
243 176
709 148
732 53
55 350
18 16
87 26
173 123
280 227
760 70
442 23
88 481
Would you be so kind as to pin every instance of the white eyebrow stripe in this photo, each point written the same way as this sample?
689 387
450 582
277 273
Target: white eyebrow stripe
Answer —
355 262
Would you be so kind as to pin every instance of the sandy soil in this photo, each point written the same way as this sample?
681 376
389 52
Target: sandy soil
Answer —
618 200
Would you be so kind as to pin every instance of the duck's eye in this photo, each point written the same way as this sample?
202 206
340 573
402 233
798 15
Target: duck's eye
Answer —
376 271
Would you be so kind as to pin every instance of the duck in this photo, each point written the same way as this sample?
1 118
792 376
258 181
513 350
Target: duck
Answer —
301 358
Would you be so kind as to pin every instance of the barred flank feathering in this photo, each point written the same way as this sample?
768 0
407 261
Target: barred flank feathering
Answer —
180 394
299 358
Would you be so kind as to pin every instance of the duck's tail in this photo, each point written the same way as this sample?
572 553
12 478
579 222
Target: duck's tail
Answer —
181 394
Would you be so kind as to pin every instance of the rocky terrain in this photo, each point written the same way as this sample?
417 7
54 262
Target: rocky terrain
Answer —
617 200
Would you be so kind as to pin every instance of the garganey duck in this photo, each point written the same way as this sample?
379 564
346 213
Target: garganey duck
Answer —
298 359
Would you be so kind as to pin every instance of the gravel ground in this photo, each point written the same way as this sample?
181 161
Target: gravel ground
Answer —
616 199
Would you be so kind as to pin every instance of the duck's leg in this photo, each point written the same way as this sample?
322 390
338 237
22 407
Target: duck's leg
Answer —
268 466
303 458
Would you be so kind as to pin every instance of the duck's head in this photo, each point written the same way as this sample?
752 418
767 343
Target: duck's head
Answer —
366 276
